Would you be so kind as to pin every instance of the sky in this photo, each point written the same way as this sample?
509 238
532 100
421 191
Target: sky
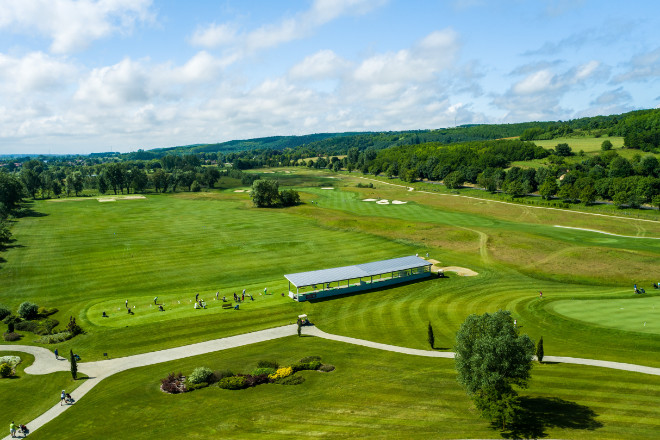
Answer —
83 76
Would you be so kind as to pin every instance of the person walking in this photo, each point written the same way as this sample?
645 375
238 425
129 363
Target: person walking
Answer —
155 300
62 397
12 429
243 298
126 303
265 290
57 354
243 291
196 297
216 295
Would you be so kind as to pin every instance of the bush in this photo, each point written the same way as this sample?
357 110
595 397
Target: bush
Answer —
195 187
73 328
55 338
4 312
218 375
199 375
263 370
28 310
11 318
44 327
281 373
173 384
268 364
11 360
196 386
292 380
310 359
43 311
6 370
11 337
27 326
10 327
326 368
254 380
232 383
300 366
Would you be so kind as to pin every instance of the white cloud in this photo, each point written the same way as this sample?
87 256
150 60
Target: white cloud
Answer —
321 65
35 72
215 35
72 25
641 67
116 85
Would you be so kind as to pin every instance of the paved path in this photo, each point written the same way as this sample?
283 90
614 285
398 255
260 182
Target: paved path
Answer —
45 362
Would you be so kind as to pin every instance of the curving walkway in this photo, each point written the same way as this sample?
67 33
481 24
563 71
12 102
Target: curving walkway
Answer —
45 362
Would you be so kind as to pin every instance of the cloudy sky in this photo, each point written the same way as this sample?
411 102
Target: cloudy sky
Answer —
81 76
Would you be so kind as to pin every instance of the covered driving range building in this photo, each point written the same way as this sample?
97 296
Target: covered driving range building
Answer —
323 283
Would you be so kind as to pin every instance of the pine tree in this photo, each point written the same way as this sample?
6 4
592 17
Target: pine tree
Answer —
539 350
74 366
431 337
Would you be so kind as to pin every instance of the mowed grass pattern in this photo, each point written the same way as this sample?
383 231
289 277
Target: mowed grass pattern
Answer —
371 394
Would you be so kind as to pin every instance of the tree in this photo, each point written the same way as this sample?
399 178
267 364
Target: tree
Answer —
539 350
32 181
5 233
11 192
490 358
159 179
656 201
28 310
139 180
299 326
454 180
103 184
211 175
289 197
563 150
549 188
431 338
606 145
74 365
265 193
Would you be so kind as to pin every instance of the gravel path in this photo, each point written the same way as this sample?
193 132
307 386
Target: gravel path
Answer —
45 362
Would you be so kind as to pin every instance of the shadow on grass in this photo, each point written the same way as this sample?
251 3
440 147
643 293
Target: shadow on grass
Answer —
540 413
27 211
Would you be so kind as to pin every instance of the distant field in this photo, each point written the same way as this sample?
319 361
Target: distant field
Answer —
586 144
637 314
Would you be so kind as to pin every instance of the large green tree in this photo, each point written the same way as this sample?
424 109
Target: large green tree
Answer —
491 357
265 193
11 192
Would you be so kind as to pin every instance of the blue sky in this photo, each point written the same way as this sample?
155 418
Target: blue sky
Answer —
117 75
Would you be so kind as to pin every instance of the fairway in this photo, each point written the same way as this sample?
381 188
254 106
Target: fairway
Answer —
633 314
85 258
586 144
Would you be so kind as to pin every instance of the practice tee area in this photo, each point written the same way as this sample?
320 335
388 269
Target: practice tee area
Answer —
342 280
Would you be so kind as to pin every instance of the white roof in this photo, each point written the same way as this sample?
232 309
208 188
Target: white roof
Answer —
356 271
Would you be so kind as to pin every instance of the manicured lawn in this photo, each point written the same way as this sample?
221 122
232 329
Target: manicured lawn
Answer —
371 394
586 144
639 314
86 257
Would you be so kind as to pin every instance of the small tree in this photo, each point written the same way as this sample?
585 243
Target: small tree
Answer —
431 338
28 310
606 145
299 326
5 370
74 366
73 328
10 327
539 350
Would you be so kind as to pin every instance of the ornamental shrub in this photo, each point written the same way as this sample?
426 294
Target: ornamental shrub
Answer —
28 310
11 360
263 370
10 327
55 338
11 337
196 386
199 375
300 366
268 364
5 370
221 374
281 373
173 384
4 311
232 383
310 359
326 368
254 380
11 318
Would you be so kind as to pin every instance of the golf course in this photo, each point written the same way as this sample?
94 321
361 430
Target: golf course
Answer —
111 263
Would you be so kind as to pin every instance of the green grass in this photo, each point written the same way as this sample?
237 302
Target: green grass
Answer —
371 394
639 315
86 257
586 144
27 396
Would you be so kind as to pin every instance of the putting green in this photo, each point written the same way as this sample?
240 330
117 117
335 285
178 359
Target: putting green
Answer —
632 314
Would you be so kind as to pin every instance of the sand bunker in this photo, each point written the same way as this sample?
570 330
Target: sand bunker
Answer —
239 190
461 271
398 202
107 200
327 187
383 202
114 199
369 200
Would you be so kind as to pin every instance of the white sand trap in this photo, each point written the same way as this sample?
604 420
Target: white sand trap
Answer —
461 271
107 200
269 172
383 202
239 190
398 202
369 200
288 172
132 197
327 187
